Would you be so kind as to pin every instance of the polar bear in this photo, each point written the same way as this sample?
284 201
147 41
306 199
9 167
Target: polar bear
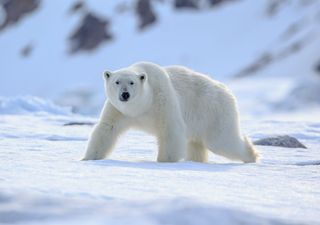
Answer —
189 113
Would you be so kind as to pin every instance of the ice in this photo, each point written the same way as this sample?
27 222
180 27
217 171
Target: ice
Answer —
43 181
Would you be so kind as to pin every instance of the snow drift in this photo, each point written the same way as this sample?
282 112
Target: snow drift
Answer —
30 105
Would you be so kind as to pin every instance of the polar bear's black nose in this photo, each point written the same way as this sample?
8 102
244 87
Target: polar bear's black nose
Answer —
125 96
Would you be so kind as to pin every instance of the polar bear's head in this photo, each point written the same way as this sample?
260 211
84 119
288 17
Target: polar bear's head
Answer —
127 90
122 86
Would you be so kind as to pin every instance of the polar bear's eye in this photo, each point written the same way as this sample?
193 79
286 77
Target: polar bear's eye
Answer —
131 83
117 82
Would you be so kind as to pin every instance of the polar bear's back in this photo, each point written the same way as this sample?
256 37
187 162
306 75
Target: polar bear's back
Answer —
202 100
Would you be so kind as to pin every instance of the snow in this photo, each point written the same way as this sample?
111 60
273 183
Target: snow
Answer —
220 42
30 104
176 211
44 182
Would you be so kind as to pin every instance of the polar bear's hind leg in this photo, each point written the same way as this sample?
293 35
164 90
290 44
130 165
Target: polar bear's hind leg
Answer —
172 145
235 148
253 155
197 152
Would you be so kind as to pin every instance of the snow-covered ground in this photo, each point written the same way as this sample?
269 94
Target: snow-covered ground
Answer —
42 180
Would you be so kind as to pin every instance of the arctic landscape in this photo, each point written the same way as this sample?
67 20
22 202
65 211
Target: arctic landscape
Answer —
52 91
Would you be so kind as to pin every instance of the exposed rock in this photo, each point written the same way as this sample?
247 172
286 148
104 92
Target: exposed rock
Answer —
26 50
79 124
308 163
292 48
90 34
189 4
15 10
145 13
77 6
317 68
281 141
214 3
196 4
268 58
293 29
256 66
274 6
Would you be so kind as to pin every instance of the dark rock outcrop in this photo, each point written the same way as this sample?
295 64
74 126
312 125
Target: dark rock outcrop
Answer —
27 50
281 141
145 13
263 61
267 58
274 6
79 124
317 68
15 10
90 34
186 4
214 3
77 6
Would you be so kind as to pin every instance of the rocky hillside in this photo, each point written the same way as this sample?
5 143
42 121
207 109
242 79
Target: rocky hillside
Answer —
94 29
48 44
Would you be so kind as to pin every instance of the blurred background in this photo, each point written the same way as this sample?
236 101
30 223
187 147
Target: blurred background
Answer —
267 51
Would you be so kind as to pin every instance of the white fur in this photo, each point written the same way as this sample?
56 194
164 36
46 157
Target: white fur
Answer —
188 112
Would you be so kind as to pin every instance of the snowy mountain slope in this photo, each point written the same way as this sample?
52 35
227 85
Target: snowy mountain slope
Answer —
42 180
275 98
30 105
221 41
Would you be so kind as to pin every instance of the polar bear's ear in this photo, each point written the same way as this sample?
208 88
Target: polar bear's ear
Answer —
143 77
107 74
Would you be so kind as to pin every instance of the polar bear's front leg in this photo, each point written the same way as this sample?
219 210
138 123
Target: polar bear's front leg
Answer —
172 143
101 142
105 133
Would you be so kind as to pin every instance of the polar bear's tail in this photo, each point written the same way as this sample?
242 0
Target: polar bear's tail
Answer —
252 153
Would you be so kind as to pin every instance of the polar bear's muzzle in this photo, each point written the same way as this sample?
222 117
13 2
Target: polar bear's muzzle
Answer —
124 97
